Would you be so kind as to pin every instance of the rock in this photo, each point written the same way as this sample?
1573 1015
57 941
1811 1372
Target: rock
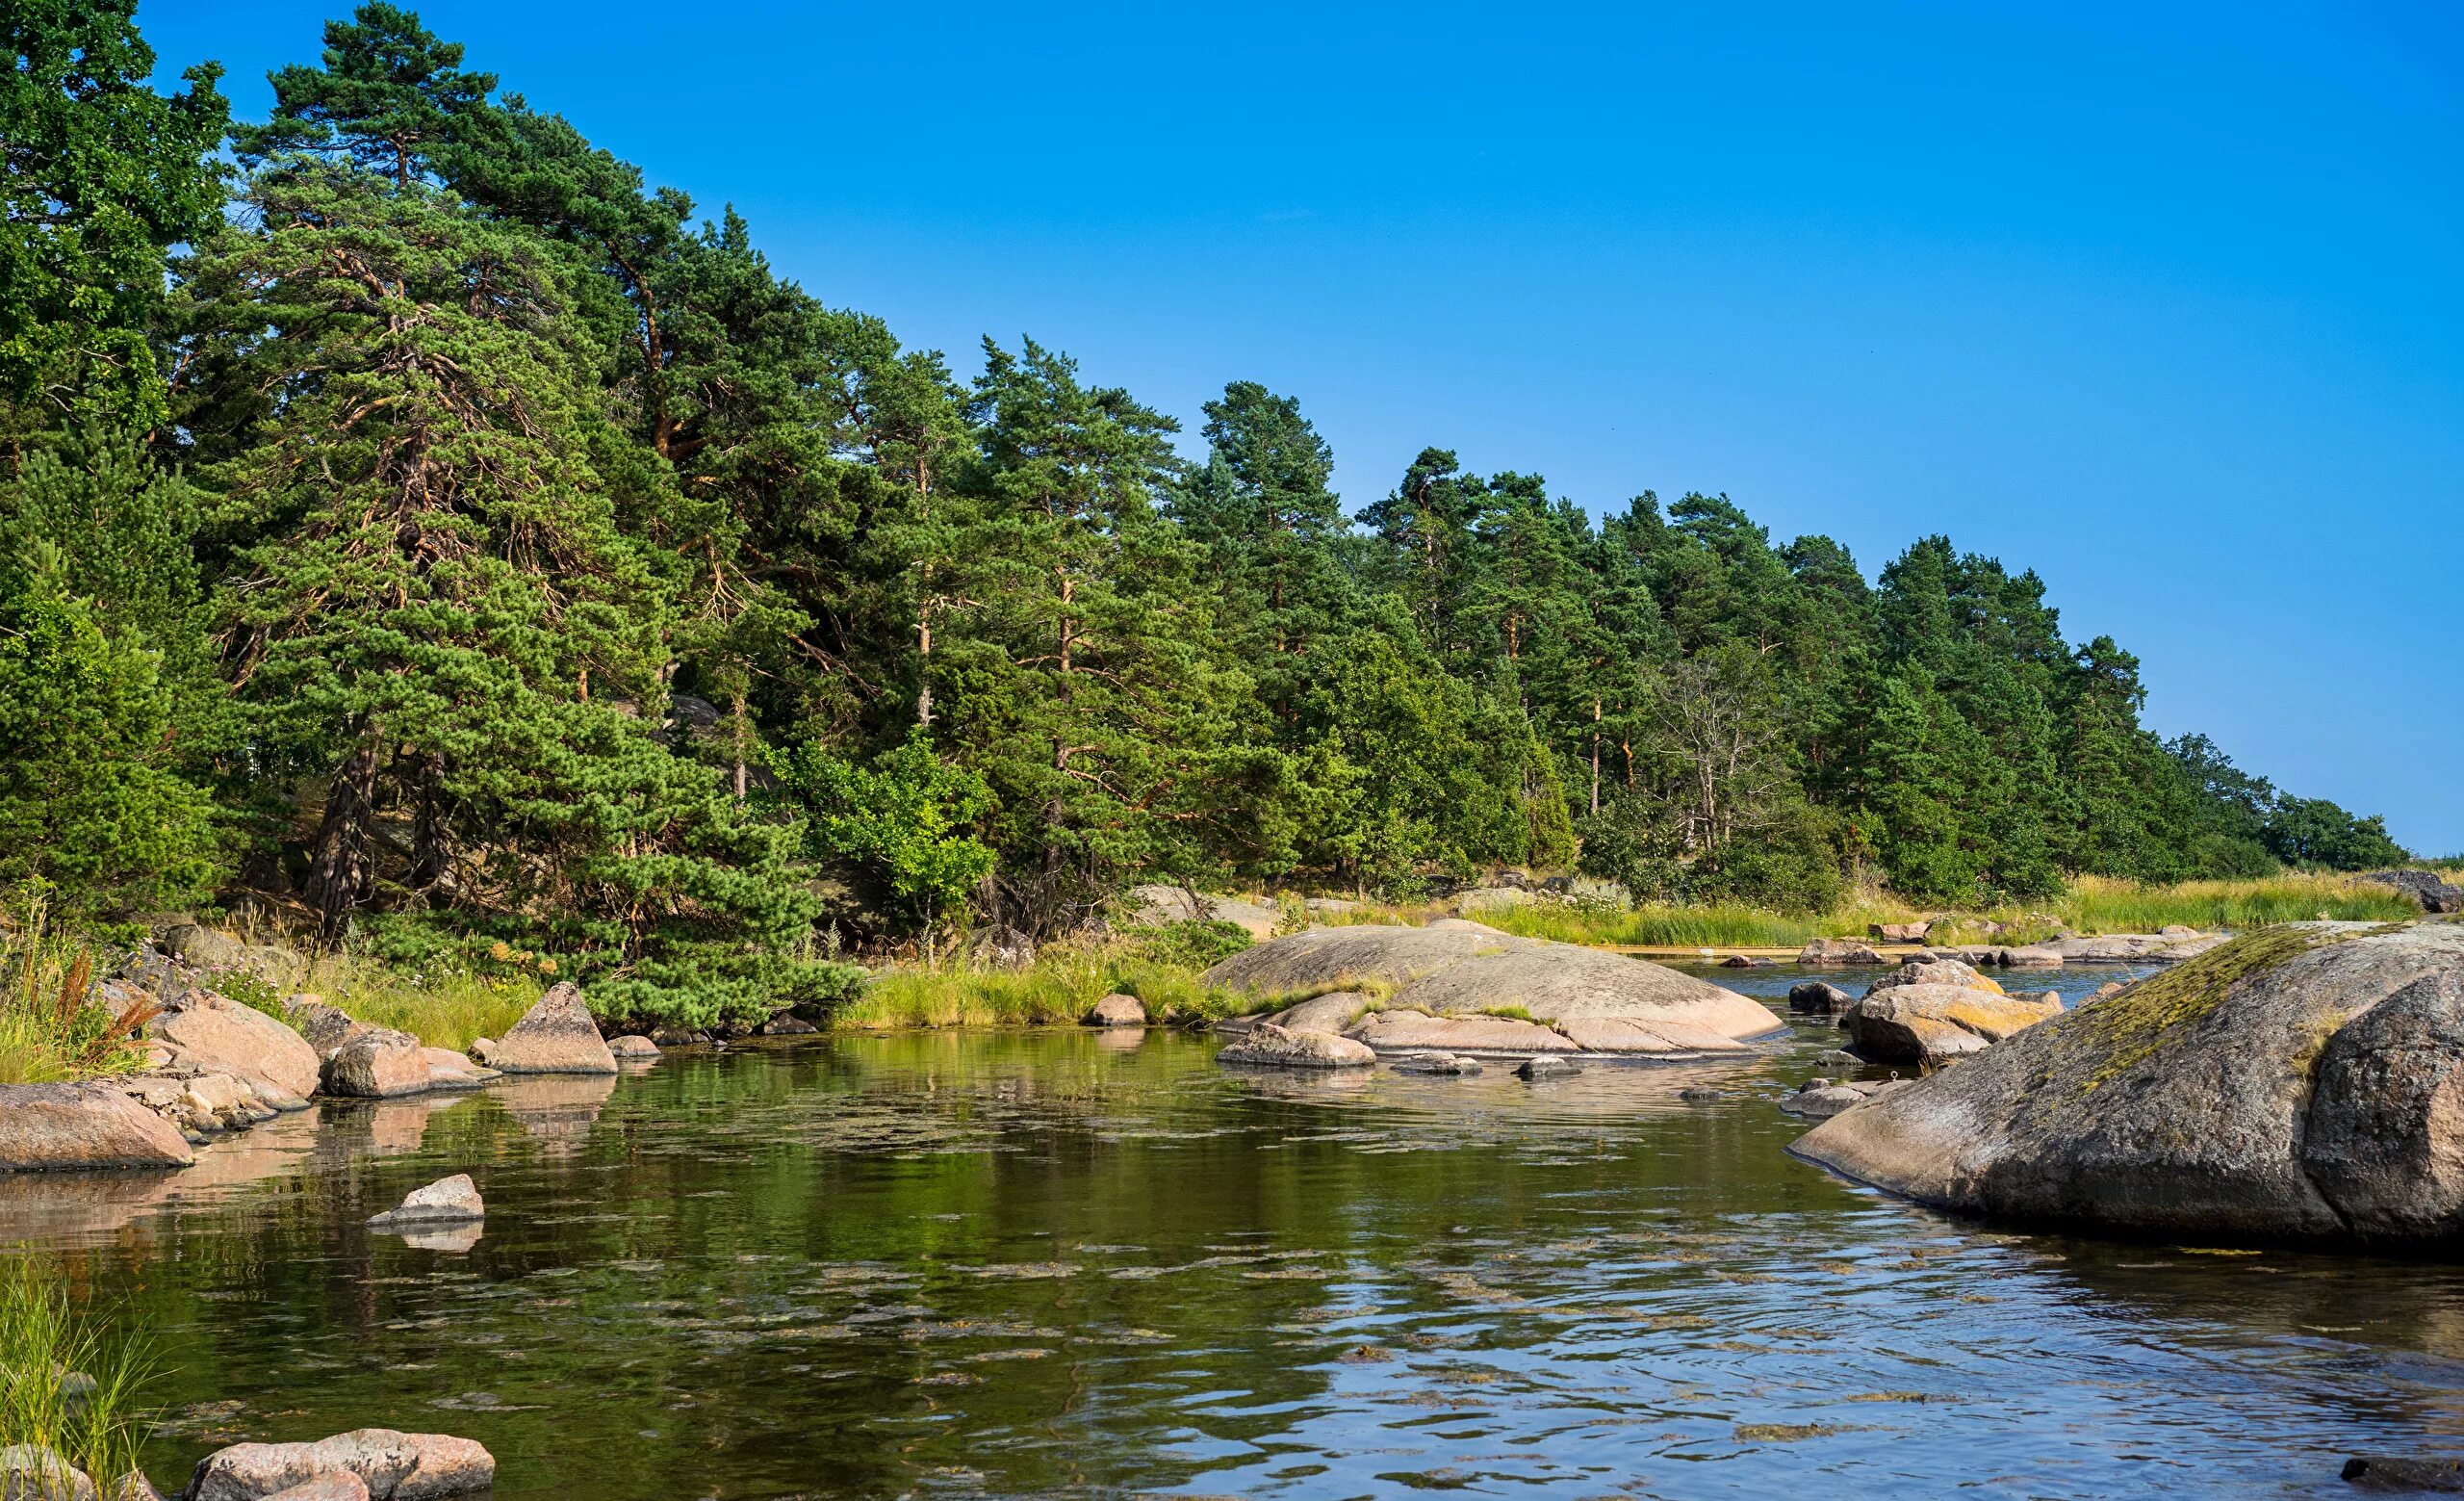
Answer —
1117 1010
665 1036
483 1050
394 1466
132 1487
1701 1094
32 1472
73 1126
2431 892
221 1036
377 1063
1820 1101
1545 1066
2177 930
1745 962
633 1044
1493 898
1935 972
1900 932
557 1036
1838 1058
1930 1023
1269 1045
215 950
1593 1000
1333 1012
1330 906
2299 1083
1818 998
2416 1476
1002 947
332 1485
447 1201
787 1023
1258 919
1831 952
1445 1063
324 1027
1393 1031
2037 956
450 1070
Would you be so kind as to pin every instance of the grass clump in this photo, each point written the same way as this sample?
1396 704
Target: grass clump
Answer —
54 1023
1060 986
443 1007
60 1386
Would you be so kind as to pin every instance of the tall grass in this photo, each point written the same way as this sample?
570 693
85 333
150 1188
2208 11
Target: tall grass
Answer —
443 1008
2095 904
44 1350
54 1023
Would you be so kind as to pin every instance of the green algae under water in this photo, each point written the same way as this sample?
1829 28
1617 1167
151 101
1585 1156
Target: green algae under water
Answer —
1081 1264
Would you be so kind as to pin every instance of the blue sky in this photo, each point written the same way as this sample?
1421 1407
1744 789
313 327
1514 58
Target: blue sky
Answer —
2161 302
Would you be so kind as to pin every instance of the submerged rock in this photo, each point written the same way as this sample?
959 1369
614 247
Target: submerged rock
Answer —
1441 1063
1457 971
394 1466
1269 1045
557 1036
2302 1082
447 1201
1117 1010
59 1127
1546 1067
1932 1023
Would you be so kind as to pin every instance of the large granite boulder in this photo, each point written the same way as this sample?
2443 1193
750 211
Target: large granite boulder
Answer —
74 1126
1935 1024
2302 1082
556 1036
2434 894
1600 1001
377 1063
394 1466
1272 1046
219 1035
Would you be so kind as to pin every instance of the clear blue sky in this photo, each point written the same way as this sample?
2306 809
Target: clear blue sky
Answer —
2162 301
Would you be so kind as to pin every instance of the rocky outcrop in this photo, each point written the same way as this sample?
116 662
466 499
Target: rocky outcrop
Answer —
1117 1010
1935 1024
556 1036
1158 906
1827 953
2304 1083
1273 1047
1457 971
448 1201
2434 894
394 1466
218 1035
64 1127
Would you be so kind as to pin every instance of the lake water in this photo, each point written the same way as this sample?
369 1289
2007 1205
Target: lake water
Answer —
1064 1263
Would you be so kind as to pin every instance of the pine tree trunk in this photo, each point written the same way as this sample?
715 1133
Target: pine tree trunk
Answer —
343 869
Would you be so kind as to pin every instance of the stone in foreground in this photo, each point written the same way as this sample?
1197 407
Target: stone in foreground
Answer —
32 1472
556 1037
2407 1475
2299 1083
394 1466
1447 982
1269 1045
221 1036
333 1485
69 1128
1818 998
448 1201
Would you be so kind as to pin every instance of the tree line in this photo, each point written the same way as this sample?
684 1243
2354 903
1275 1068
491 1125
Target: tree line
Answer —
413 516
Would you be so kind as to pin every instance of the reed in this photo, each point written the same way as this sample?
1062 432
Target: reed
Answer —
55 1024
443 1007
61 1386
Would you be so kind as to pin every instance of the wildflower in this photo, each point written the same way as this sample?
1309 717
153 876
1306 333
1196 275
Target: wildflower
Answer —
501 949
547 965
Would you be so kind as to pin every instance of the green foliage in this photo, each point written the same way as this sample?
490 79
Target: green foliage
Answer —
46 1343
904 819
2308 831
1195 944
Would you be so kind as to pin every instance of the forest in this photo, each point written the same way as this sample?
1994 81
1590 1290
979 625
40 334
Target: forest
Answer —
415 521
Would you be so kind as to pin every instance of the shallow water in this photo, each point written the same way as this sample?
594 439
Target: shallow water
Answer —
1083 1264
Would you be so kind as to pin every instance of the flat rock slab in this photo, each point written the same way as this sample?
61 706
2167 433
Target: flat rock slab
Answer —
1453 969
394 1466
557 1036
70 1127
1272 1046
334 1486
2304 1083
1390 1031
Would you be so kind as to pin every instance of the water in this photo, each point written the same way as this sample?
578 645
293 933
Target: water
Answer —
1079 1264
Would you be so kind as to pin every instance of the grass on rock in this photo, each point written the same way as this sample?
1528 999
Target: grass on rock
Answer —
448 1008
47 1357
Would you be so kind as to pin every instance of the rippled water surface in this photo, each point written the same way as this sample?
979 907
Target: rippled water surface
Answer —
1003 1264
